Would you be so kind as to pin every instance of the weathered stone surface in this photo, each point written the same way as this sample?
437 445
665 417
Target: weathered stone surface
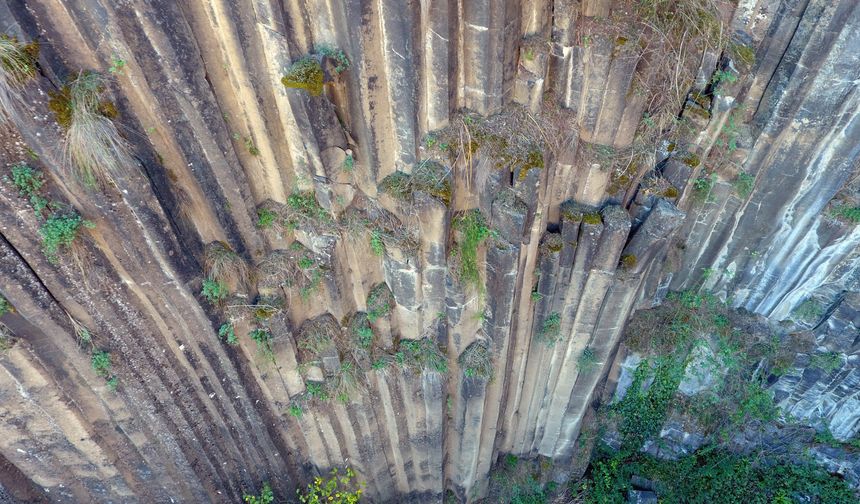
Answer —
216 136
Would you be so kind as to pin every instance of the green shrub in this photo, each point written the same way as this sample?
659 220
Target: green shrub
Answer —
317 391
376 243
808 311
642 411
295 410
228 333
847 213
380 301
5 306
420 355
266 496
337 489
550 329
266 218
214 291
473 230
827 362
306 74
587 360
29 183
703 185
101 363
714 475
263 338
744 184
60 231
338 56
305 210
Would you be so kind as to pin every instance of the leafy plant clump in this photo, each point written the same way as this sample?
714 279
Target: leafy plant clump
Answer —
338 488
643 410
266 496
214 291
304 209
473 230
476 361
266 218
5 306
714 475
428 177
101 364
307 74
550 329
380 302
588 360
847 213
342 63
421 355
263 338
60 231
29 183
744 184
228 333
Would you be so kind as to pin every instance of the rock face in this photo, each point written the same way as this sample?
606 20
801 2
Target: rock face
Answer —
354 211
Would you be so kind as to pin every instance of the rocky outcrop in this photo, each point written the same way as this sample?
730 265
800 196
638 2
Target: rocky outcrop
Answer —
400 246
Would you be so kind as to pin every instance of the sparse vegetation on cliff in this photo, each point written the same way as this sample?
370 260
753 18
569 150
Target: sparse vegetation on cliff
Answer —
224 266
476 361
422 355
338 488
60 232
17 66
550 329
93 147
380 302
29 183
305 73
473 230
5 306
214 291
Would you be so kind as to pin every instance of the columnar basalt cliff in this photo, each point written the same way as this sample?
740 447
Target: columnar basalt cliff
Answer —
389 234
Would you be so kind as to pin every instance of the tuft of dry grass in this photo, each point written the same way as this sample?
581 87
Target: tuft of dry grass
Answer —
17 65
93 147
223 265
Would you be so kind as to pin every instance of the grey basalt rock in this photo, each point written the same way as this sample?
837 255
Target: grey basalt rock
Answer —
645 242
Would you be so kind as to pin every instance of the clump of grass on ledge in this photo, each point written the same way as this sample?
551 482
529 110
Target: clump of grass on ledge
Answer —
60 232
222 265
380 302
473 230
296 268
429 177
304 210
92 146
421 355
307 74
550 329
17 66
318 335
476 361
29 183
